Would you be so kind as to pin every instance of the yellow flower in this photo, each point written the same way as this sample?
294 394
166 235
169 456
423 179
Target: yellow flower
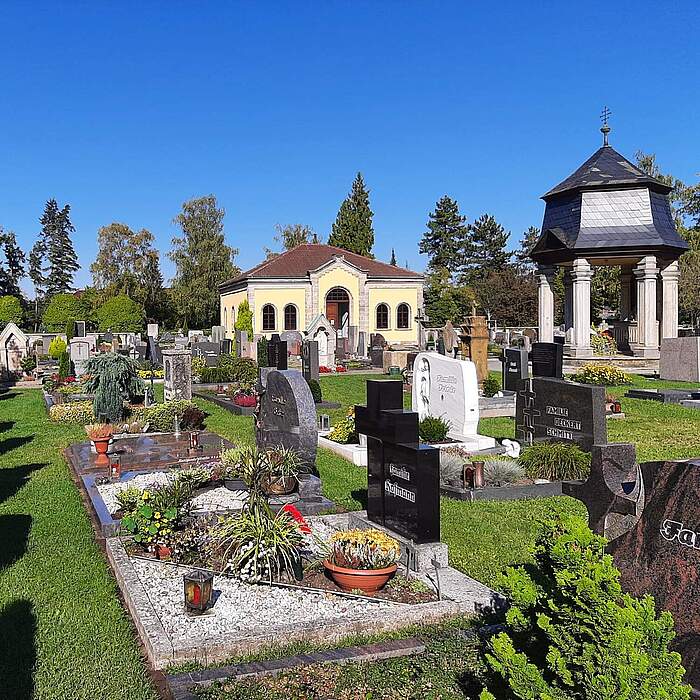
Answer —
157 516
145 495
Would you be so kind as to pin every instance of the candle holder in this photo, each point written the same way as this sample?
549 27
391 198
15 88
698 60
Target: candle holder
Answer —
199 589
115 467
473 475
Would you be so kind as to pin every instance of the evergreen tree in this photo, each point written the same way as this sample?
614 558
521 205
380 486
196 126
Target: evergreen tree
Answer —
523 263
393 258
446 237
352 229
486 250
444 301
203 261
52 261
11 264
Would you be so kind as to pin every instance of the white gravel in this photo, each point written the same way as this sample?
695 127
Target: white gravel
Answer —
240 609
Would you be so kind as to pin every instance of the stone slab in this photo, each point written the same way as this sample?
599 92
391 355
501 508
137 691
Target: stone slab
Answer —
503 493
680 359
691 403
662 395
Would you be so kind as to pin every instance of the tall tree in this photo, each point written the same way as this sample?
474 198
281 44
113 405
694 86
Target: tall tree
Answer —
445 301
393 258
523 263
12 261
446 237
203 261
486 251
508 297
127 263
352 229
52 261
290 236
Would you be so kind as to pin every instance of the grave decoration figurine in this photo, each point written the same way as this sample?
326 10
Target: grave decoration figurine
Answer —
403 476
651 514
560 411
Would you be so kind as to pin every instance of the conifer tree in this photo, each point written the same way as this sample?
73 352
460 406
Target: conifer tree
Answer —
352 229
52 261
446 236
523 263
393 258
203 261
11 264
486 251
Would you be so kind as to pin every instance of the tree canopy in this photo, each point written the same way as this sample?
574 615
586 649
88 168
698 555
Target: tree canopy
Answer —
353 229
203 261
120 314
12 261
61 309
446 238
10 310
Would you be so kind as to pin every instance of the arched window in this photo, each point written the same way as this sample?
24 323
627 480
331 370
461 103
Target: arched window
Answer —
225 323
290 317
403 315
382 317
233 317
268 317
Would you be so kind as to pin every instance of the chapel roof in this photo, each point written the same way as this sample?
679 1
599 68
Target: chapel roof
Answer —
304 259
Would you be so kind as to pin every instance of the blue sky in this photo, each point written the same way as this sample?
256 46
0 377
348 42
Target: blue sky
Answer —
124 110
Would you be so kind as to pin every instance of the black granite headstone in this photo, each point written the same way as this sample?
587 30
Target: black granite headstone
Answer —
403 476
441 346
515 368
555 410
547 360
277 353
225 346
309 360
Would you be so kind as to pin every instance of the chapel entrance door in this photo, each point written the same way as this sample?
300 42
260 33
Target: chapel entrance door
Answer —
338 310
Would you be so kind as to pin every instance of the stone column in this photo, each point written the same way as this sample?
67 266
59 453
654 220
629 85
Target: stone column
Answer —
669 295
545 303
647 344
581 273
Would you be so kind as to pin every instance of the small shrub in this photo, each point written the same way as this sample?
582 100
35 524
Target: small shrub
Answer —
57 347
570 631
28 364
601 374
364 549
113 379
161 417
73 412
241 370
344 431
432 429
492 386
199 364
555 461
262 352
603 344
499 471
64 365
315 390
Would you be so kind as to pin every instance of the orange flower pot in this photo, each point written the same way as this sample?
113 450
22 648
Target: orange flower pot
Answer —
101 446
366 580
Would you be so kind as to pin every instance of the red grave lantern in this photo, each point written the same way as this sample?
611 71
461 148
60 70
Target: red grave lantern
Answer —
199 587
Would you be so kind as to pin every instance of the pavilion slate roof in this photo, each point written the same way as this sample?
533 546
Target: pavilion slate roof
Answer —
300 261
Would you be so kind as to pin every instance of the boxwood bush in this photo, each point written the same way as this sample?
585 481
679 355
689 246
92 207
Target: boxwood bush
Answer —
432 429
555 461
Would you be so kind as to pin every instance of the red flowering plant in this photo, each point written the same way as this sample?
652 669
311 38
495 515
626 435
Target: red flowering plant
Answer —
340 368
324 370
296 515
244 400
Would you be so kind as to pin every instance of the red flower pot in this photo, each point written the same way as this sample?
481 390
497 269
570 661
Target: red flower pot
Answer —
162 552
366 580
101 445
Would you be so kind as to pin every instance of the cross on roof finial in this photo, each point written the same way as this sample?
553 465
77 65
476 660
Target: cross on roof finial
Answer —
605 129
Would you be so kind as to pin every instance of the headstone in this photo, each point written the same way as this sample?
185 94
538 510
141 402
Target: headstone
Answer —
474 337
241 343
441 346
656 550
178 373
547 360
515 368
309 360
680 359
218 333
444 387
352 339
362 344
376 356
225 346
277 353
152 330
377 340
286 414
153 352
80 327
293 340
403 476
140 350
555 410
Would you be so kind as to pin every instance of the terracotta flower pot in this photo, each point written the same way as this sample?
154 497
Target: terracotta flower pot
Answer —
366 580
101 445
162 552
280 485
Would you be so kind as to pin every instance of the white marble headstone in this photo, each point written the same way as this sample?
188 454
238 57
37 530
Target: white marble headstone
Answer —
447 388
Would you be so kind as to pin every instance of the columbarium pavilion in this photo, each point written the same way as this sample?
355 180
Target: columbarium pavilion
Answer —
609 212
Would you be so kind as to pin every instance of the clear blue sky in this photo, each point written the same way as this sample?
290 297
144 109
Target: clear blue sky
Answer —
124 110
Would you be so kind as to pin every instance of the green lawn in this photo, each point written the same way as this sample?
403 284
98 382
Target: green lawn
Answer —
63 632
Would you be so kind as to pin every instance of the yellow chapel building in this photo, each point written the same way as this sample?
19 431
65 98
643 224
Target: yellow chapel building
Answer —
357 296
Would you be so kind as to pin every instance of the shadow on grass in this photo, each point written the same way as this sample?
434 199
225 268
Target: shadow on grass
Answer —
6 425
14 534
361 496
13 443
12 480
17 649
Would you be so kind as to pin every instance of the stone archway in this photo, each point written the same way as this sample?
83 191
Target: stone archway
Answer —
338 310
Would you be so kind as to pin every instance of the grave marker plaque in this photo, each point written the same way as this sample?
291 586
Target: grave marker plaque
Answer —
286 414
178 374
277 353
547 360
403 476
555 410
515 368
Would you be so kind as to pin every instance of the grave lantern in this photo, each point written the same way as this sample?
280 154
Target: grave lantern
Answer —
474 475
198 590
115 467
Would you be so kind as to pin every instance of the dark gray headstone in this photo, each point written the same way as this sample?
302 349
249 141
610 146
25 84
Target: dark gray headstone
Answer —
377 340
80 329
547 360
515 368
286 414
309 360
277 353
555 410
376 356
403 476
153 352
225 346
441 346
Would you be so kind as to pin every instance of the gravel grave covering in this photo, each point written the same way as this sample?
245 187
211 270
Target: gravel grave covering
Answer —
240 608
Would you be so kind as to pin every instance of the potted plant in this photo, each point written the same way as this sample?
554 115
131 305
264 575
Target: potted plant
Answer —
282 472
233 464
362 560
100 434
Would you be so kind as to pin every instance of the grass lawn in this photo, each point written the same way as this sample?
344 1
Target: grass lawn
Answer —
63 632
